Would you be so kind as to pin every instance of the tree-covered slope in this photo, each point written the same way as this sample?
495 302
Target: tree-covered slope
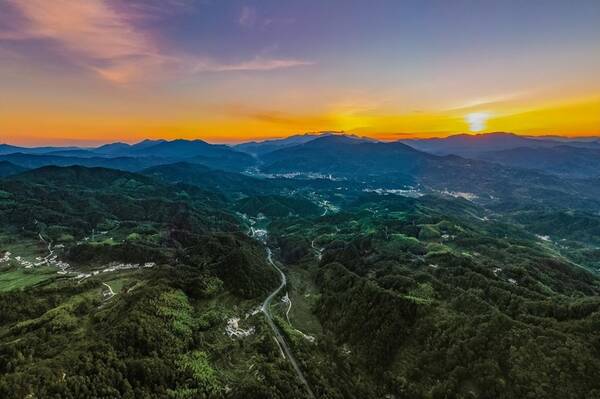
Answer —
436 298
562 160
8 169
215 180
124 285
141 309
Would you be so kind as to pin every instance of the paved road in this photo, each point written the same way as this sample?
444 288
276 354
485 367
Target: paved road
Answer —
265 308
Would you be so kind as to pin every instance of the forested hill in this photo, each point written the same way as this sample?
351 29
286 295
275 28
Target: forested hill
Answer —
7 169
433 299
70 331
498 173
211 179
124 285
78 176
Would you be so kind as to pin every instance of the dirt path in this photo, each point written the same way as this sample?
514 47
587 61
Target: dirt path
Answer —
112 293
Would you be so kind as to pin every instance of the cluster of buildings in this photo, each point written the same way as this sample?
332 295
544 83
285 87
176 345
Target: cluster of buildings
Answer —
52 260
113 268
39 261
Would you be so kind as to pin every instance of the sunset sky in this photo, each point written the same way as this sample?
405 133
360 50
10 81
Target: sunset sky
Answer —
94 71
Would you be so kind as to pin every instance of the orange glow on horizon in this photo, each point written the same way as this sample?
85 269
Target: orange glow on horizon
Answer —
98 71
50 127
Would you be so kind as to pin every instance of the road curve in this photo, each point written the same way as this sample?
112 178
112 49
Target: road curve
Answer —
265 308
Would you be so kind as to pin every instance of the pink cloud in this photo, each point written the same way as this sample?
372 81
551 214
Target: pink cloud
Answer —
92 32
102 36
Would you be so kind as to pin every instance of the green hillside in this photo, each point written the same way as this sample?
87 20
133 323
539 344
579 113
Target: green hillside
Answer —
114 284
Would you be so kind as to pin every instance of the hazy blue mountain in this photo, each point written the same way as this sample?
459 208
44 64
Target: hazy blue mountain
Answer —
259 148
263 147
591 141
80 153
126 149
367 163
562 160
194 151
8 169
32 161
180 149
468 145
11 149
112 148
133 157
393 165
147 143
344 155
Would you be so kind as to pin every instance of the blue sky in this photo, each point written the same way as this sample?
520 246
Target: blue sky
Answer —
225 70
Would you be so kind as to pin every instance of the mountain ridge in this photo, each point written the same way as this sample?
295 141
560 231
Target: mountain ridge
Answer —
469 145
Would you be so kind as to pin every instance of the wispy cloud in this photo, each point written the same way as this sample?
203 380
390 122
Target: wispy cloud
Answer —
255 64
275 117
248 16
103 37
91 32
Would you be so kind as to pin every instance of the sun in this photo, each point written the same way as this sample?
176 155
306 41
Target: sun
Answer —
476 120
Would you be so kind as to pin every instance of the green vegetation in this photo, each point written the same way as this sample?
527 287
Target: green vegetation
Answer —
196 363
277 206
150 336
429 297
18 278
472 308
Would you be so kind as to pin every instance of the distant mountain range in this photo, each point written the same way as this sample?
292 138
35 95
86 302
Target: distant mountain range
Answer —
570 157
32 161
11 149
345 156
337 155
130 157
562 160
258 148
467 145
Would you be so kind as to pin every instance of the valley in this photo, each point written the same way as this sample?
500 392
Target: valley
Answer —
184 281
243 199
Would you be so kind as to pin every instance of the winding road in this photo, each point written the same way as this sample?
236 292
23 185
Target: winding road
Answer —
110 290
266 309
50 250
318 251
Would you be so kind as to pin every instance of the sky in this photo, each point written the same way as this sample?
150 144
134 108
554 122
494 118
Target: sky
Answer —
96 71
